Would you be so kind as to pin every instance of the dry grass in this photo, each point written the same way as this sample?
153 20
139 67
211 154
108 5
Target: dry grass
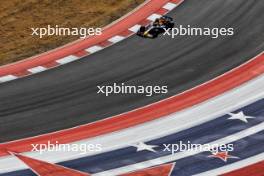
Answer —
18 16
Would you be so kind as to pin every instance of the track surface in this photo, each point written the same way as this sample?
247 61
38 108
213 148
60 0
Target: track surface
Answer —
66 96
194 116
219 130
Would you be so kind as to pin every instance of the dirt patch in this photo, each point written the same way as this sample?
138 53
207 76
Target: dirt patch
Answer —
17 17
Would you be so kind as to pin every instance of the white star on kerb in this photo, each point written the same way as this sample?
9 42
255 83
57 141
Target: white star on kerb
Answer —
240 116
141 146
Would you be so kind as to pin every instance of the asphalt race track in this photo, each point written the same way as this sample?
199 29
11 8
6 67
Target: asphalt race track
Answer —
243 136
67 96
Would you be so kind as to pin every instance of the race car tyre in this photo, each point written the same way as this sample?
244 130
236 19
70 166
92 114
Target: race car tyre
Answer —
170 25
142 29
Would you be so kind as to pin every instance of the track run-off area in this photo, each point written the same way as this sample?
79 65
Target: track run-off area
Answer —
207 79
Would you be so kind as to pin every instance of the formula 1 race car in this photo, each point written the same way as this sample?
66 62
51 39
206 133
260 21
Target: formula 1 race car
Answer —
157 27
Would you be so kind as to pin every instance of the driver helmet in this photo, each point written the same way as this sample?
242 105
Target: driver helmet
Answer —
162 20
